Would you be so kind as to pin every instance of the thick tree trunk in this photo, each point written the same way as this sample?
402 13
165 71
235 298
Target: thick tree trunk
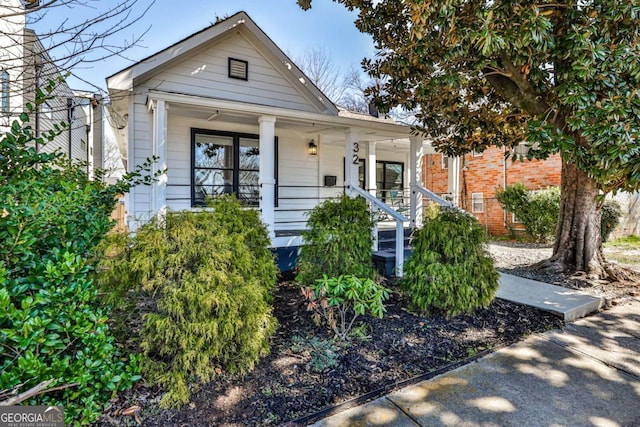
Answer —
578 246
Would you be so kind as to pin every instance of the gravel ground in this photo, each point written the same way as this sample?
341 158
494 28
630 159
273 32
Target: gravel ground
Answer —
517 258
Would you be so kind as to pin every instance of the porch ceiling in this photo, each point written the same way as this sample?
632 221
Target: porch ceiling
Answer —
330 131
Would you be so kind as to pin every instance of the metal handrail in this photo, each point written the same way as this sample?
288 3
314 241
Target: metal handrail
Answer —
379 204
399 218
433 196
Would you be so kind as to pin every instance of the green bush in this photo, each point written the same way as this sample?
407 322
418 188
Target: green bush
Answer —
536 210
610 218
338 241
338 301
449 269
52 327
211 274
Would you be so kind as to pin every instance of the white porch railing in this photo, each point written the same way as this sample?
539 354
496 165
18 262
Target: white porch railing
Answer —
399 219
433 196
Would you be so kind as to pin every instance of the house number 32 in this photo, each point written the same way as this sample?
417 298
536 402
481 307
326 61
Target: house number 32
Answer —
356 149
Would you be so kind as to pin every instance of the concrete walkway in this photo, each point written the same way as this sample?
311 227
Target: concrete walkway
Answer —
587 374
567 304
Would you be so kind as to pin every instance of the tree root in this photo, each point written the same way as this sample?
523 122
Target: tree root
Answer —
603 271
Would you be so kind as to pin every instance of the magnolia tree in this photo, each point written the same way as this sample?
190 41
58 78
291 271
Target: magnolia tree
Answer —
561 75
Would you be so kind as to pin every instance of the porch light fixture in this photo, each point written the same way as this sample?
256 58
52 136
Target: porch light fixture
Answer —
313 148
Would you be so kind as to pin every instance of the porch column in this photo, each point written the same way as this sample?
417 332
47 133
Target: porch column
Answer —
371 168
351 158
453 186
267 178
415 179
371 183
159 147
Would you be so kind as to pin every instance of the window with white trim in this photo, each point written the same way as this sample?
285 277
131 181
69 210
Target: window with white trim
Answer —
476 153
445 162
477 202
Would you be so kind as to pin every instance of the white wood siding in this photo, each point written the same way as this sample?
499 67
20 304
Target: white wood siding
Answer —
205 74
297 171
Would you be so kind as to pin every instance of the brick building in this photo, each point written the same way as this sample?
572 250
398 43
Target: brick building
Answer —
471 182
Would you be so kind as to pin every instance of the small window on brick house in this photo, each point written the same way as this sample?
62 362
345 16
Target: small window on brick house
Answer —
476 153
514 219
445 162
238 69
477 202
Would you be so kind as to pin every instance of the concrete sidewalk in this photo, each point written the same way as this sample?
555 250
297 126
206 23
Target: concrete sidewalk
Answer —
587 374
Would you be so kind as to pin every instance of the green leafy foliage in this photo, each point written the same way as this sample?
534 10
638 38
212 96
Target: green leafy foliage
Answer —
53 327
338 241
449 269
562 76
338 301
610 219
536 210
210 275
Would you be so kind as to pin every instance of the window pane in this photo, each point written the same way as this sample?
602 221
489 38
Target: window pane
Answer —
5 91
249 154
212 183
477 202
393 176
213 151
361 173
380 175
249 189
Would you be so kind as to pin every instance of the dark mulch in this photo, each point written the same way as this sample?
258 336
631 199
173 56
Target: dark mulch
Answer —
284 387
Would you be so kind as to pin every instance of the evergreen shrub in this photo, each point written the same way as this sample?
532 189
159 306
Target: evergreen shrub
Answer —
449 270
211 274
52 325
338 241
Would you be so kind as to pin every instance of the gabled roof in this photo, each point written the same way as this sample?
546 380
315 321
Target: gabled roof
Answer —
148 67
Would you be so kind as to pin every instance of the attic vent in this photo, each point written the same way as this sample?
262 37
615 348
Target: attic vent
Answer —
30 4
238 69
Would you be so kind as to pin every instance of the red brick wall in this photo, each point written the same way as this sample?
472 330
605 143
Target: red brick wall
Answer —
485 174
433 174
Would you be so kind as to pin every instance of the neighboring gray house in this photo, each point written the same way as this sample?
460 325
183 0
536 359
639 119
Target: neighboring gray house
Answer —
226 111
25 67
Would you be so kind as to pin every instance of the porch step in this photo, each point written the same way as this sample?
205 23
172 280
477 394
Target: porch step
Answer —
385 260
387 239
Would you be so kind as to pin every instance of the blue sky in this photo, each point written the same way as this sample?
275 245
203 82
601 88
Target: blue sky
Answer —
327 25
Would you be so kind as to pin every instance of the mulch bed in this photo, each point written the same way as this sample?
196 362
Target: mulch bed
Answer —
286 385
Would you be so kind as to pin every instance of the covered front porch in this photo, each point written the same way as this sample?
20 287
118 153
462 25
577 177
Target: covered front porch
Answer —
284 162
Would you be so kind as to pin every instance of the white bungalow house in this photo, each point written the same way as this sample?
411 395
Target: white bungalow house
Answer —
226 111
